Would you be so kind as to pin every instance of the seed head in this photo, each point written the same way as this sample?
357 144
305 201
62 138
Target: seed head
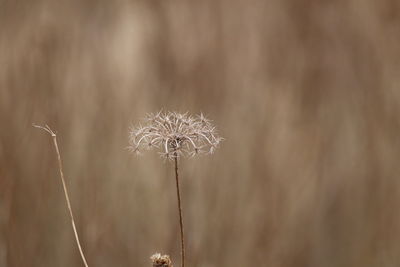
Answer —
175 135
161 260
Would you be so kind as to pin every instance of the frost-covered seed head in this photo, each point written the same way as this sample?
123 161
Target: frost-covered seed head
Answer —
175 134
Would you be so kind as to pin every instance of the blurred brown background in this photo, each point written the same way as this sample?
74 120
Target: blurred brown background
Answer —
306 94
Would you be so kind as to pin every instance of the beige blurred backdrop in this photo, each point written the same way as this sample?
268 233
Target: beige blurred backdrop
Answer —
306 94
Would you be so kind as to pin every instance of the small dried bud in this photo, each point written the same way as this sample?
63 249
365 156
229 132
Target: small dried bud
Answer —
161 260
175 134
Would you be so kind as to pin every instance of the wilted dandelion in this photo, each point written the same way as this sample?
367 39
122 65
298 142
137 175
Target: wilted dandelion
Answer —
161 260
175 135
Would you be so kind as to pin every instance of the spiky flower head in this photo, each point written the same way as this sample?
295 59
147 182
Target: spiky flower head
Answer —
175 135
161 260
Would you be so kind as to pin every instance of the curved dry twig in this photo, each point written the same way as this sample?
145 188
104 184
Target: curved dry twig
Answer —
53 134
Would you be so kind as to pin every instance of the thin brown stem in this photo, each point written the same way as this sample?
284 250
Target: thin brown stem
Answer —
180 213
52 133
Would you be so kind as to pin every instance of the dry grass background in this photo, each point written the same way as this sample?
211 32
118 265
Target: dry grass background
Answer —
306 93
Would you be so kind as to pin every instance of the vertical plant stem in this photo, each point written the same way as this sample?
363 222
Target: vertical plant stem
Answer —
180 213
47 129
68 202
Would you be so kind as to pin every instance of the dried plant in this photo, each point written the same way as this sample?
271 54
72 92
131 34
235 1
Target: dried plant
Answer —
60 167
159 260
175 135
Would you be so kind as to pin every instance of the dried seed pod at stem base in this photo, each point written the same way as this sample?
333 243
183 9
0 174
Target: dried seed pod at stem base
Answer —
54 136
159 260
175 135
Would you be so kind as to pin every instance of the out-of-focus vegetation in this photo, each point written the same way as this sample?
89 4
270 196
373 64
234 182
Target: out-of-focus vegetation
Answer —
306 93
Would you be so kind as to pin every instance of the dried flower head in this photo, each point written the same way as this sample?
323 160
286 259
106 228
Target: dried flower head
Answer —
161 260
175 134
